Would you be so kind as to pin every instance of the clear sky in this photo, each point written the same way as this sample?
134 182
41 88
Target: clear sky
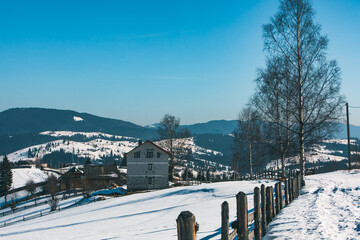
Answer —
138 60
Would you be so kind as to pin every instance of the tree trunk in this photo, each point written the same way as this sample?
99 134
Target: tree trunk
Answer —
250 159
301 105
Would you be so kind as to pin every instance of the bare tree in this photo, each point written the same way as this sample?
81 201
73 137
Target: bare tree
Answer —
247 134
30 187
174 140
272 100
52 188
293 35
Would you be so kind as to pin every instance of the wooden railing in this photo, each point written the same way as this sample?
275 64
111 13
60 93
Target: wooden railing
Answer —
250 223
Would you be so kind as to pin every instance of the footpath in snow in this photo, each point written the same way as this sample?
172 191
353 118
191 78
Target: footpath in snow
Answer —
328 208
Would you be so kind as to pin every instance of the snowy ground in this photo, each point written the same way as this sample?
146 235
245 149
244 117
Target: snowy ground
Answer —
20 177
328 208
150 215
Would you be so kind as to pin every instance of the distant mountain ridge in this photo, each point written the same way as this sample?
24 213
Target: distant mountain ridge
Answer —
17 121
20 128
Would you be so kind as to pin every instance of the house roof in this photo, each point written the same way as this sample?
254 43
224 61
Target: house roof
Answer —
148 141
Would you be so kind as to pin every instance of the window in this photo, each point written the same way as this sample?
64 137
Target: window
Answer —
158 155
149 153
150 166
137 154
150 180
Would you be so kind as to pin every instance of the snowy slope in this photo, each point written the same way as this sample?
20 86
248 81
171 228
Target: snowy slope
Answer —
320 153
22 175
150 215
100 144
328 208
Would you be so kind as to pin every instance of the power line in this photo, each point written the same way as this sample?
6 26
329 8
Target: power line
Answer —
353 107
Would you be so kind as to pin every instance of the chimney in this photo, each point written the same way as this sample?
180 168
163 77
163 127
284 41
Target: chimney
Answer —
140 142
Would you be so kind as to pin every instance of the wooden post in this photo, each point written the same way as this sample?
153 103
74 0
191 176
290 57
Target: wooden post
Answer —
186 226
242 216
263 210
225 221
257 220
299 184
281 196
277 198
293 188
268 205
286 192
272 202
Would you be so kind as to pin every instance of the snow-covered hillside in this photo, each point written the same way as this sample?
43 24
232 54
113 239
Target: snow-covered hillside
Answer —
328 208
20 177
321 153
97 145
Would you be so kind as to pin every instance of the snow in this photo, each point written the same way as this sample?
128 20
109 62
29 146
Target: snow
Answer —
78 119
318 153
150 215
328 208
340 141
22 175
86 134
93 149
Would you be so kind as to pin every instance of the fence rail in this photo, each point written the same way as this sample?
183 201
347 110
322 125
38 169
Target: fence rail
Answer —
250 223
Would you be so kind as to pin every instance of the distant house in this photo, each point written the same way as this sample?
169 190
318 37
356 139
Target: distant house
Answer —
147 167
71 179
25 163
100 176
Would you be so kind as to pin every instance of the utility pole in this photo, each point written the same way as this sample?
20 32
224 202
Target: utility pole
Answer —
348 134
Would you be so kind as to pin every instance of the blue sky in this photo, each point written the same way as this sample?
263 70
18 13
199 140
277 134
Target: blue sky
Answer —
138 60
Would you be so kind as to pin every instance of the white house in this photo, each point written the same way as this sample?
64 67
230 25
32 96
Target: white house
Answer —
147 167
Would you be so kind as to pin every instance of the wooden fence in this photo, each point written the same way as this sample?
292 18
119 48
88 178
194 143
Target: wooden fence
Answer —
250 223
269 174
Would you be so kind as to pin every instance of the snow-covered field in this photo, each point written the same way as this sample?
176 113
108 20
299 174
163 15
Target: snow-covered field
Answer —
21 176
150 215
328 208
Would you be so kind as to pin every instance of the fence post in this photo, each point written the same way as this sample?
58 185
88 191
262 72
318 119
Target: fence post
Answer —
257 221
272 202
281 196
290 190
294 188
299 184
263 210
286 191
186 226
277 198
225 221
268 205
242 216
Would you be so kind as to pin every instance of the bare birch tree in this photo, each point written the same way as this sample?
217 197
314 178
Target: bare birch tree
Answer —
272 100
174 140
293 35
247 135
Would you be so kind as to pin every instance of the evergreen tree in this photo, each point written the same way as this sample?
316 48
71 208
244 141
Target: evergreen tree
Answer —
6 177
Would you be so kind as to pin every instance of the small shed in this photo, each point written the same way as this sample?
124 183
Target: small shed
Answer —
147 167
